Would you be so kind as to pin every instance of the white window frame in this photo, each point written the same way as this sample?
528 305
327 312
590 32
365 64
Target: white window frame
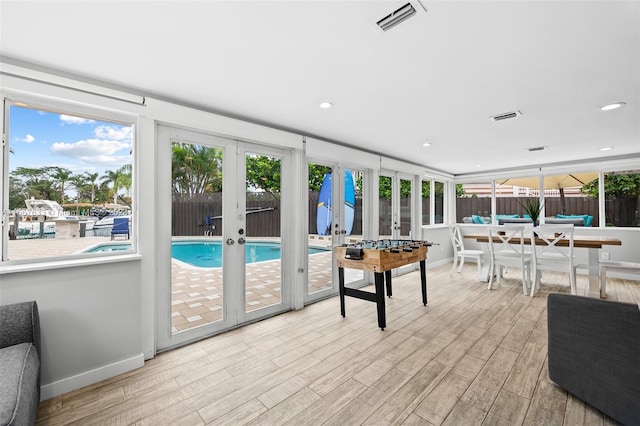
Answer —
58 106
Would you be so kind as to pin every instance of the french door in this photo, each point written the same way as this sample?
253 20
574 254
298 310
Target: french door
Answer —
336 217
222 263
396 193
396 214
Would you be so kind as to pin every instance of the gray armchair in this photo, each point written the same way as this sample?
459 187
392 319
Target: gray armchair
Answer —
19 363
594 353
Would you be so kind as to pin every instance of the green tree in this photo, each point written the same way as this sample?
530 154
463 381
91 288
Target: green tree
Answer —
37 182
195 169
264 173
79 182
615 186
113 178
384 188
17 193
62 177
622 190
316 176
91 178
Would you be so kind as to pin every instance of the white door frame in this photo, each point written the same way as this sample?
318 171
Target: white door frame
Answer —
234 202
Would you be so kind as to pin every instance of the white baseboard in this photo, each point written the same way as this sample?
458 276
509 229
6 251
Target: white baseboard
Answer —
87 378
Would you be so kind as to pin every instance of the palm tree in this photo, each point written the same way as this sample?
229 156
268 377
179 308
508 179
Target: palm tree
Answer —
78 182
114 178
91 178
196 169
126 180
63 176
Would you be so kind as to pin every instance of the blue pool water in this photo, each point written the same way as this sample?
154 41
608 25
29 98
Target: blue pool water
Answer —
208 254
109 247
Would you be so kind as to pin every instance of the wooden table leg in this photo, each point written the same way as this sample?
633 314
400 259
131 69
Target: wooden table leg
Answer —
423 281
382 317
341 287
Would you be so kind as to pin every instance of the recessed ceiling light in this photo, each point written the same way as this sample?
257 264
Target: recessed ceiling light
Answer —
478 165
606 148
426 144
325 105
615 105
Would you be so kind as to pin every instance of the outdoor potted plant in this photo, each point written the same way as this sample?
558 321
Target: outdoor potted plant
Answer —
532 207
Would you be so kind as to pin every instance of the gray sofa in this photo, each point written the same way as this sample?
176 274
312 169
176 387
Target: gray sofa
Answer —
19 363
594 353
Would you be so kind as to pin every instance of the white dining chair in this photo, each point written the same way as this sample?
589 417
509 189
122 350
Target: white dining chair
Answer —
550 255
461 253
507 249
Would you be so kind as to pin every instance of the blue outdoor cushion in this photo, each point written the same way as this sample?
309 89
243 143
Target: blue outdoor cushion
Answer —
587 218
512 216
477 219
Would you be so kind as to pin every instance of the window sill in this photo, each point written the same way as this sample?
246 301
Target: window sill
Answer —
70 263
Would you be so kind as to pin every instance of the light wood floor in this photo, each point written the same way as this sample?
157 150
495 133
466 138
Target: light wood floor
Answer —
471 356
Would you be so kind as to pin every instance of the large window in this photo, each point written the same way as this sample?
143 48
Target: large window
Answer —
432 192
473 202
621 196
69 181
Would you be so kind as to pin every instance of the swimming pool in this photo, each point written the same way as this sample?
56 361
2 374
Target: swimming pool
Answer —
108 247
208 254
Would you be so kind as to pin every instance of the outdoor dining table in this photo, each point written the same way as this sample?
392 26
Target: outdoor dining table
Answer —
592 243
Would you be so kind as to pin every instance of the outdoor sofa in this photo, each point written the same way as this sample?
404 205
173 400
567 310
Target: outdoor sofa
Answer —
19 363
594 353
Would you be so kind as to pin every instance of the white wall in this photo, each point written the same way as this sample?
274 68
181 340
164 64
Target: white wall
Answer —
442 253
89 321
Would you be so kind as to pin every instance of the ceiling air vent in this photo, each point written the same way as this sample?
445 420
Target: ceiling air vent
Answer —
505 116
396 17
537 148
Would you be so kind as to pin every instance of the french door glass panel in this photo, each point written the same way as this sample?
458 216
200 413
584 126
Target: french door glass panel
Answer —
385 196
335 217
197 290
351 229
320 198
405 209
262 254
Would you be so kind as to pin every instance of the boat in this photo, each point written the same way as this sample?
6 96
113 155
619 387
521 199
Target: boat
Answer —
47 213
107 221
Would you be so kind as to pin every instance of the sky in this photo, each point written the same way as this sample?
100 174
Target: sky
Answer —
40 138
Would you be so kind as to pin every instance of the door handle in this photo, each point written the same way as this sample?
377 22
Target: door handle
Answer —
241 240
230 241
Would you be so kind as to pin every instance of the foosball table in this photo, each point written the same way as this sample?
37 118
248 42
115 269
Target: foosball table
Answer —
380 257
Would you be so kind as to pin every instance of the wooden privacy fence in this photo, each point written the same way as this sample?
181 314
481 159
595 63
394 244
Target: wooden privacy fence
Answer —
189 215
619 212
263 217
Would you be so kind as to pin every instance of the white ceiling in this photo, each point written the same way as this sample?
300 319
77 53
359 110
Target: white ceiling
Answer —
437 77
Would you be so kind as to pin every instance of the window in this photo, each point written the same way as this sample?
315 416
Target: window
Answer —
432 193
70 184
425 191
438 194
621 197
473 202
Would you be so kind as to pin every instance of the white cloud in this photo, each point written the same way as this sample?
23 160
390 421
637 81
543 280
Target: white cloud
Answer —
27 139
75 120
113 132
94 151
